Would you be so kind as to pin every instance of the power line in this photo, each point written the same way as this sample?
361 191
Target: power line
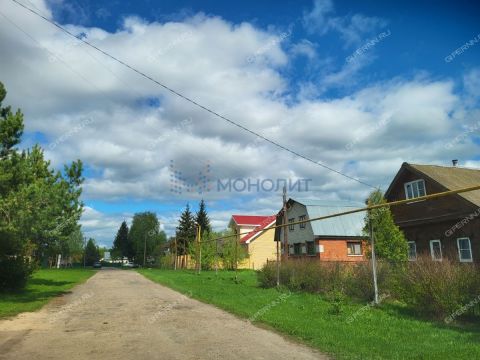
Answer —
171 90
367 208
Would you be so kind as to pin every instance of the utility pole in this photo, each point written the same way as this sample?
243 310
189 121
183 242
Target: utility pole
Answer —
145 250
216 257
176 254
286 249
199 244
236 255
374 260
84 251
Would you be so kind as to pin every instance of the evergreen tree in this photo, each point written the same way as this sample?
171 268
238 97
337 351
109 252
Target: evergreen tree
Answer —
121 245
390 243
92 252
39 207
185 231
202 218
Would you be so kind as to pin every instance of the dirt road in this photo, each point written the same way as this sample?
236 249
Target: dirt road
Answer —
121 315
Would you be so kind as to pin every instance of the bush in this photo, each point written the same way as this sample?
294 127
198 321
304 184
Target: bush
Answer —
14 272
439 288
305 275
431 288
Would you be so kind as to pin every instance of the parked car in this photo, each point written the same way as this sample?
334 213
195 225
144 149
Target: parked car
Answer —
130 265
97 265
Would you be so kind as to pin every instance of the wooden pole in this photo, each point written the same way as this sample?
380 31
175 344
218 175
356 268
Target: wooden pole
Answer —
278 262
216 257
286 249
236 256
199 248
176 254
374 260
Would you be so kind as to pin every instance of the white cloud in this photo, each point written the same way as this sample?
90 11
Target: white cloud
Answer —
129 145
352 28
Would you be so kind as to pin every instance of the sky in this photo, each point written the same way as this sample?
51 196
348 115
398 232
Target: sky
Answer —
360 87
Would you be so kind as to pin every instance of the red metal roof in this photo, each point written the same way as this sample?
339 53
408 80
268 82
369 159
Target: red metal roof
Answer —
252 220
265 223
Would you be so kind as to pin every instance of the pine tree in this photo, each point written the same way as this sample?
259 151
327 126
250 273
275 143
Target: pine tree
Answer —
202 218
185 231
390 243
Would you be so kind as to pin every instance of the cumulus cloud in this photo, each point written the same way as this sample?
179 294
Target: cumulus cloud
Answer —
136 129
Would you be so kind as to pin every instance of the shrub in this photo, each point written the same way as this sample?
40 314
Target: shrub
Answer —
305 275
428 287
438 288
14 272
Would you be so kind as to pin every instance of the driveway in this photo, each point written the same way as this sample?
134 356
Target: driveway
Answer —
122 315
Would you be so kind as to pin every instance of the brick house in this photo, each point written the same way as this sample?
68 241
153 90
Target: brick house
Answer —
335 239
447 227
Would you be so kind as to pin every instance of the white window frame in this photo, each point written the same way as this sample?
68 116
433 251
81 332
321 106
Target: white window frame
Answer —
415 247
412 183
357 243
469 248
432 252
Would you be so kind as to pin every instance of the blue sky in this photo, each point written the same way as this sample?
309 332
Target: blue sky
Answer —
359 86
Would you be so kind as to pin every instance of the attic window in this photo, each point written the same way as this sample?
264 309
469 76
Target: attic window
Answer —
415 189
302 218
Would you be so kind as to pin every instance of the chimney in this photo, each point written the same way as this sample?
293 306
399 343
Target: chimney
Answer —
454 162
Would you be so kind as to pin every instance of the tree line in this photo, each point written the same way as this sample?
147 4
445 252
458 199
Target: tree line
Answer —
143 242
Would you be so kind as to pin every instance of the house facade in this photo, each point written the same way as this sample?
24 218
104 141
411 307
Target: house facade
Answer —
447 227
260 245
334 239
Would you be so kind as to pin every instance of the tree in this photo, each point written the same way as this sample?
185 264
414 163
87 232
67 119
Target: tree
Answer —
185 231
144 235
92 252
202 218
231 252
390 243
73 247
121 245
40 208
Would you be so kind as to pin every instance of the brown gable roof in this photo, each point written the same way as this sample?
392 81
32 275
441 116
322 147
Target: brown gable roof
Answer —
452 178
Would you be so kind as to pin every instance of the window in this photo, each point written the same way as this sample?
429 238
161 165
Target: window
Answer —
412 250
310 248
297 249
291 227
436 250
414 189
464 250
301 218
354 248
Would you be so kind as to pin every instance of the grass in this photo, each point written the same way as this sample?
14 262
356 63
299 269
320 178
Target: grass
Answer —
44 285
387 332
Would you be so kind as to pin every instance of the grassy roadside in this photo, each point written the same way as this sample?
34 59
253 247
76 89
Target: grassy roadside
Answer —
44 285
380 333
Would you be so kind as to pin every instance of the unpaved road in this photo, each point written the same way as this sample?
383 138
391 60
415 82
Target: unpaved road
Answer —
122 315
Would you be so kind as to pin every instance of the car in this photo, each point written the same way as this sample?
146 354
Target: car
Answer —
97 265
130 265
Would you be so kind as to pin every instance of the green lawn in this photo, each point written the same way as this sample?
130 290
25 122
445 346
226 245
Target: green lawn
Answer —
388 332
43 285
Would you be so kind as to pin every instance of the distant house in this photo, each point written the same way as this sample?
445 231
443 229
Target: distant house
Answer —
259 245
334 239
447 227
